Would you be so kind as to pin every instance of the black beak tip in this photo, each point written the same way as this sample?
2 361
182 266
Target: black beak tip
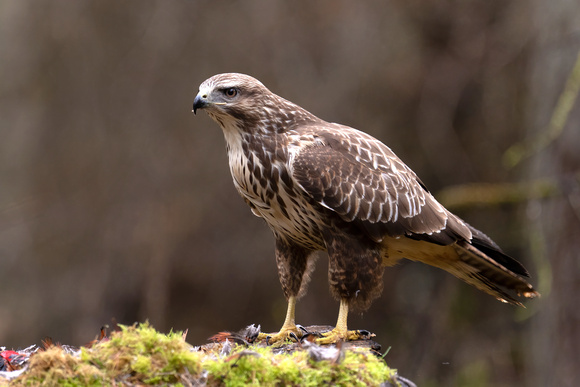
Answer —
198 103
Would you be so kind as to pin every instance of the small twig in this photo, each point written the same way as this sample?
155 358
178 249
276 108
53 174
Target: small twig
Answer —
386 352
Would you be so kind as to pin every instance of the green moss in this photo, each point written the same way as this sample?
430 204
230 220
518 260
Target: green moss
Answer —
134 355
261 366
139 355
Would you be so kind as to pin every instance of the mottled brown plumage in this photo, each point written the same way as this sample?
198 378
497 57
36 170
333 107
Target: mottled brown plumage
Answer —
325 186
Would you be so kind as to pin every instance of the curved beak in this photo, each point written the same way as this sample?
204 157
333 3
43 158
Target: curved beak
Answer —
199 102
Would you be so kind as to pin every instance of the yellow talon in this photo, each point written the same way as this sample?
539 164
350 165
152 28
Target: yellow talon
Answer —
341 333
336 335
285 334
289 330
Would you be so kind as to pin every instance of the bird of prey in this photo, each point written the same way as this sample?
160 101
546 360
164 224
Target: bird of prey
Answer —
325 186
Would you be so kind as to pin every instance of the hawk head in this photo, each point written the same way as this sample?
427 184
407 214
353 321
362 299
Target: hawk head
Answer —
239 101
231 97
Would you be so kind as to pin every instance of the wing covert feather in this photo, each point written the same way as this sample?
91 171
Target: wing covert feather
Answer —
363 181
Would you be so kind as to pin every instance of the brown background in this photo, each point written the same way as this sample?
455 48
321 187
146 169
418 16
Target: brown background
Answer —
117 203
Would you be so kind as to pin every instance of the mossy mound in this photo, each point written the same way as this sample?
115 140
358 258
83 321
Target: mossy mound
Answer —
139 355
261 366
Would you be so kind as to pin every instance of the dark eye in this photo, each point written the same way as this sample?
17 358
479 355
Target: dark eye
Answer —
231 92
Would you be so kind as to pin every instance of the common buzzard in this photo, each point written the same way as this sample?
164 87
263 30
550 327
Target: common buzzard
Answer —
326 186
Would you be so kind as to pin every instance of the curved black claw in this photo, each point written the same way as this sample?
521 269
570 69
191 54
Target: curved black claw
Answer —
293 336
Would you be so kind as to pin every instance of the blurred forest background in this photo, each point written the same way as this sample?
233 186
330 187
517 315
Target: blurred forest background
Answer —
116 202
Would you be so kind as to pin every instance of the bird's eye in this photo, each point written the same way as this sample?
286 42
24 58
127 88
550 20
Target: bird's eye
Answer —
231 92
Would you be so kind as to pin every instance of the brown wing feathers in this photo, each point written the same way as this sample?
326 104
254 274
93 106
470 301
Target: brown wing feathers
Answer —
387 200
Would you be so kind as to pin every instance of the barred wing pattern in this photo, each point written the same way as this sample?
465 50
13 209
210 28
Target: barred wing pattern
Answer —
362 180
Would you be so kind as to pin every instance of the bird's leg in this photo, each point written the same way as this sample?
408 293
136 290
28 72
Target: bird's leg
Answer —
289 331
340 332
294 271
355 278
